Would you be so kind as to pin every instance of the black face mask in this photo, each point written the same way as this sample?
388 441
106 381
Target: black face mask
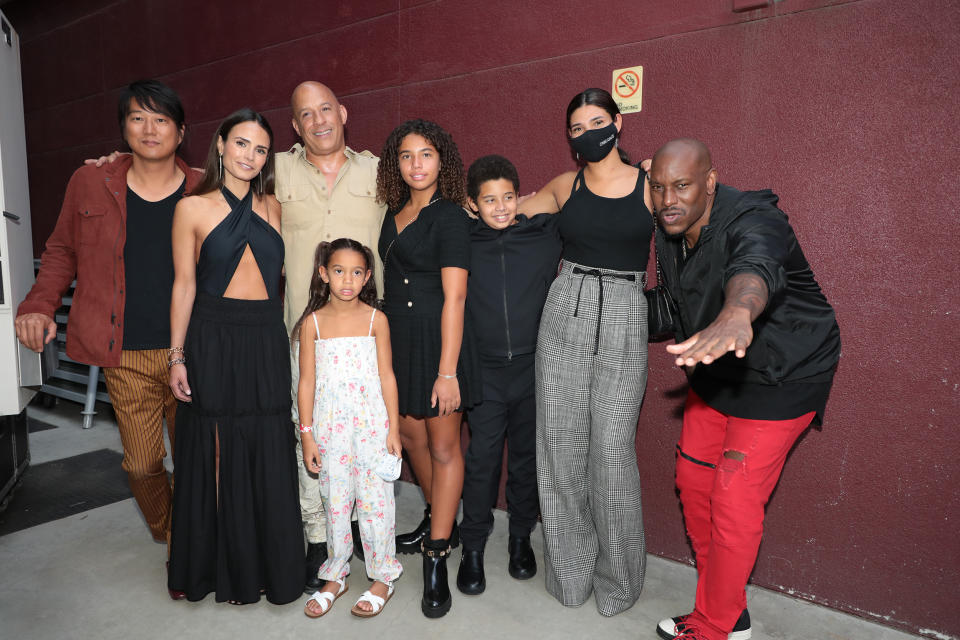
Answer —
594 145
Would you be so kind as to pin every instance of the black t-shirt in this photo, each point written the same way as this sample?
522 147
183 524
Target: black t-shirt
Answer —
148 260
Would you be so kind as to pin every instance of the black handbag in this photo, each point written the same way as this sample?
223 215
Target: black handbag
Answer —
664 319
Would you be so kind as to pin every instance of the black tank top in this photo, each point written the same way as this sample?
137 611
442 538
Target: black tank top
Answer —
606 233
224 246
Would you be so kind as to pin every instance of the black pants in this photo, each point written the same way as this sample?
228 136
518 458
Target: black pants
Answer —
508 412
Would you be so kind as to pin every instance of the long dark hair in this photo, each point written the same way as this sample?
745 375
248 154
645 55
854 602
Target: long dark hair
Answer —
320 290
391 188
598 98
212 177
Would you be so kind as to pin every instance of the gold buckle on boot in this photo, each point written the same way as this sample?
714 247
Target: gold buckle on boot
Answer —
432 553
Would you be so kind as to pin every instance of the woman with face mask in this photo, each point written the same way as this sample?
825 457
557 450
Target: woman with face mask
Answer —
591 366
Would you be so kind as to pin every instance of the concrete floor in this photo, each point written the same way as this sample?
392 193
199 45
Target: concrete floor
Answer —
99 575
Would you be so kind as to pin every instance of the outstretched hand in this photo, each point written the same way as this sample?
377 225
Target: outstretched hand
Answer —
731 331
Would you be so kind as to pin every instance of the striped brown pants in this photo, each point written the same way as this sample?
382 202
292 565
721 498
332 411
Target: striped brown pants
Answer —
142 399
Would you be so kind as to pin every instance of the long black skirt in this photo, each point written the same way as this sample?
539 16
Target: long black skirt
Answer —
246 538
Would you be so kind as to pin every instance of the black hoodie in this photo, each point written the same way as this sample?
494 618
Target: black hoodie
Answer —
510 273
796 339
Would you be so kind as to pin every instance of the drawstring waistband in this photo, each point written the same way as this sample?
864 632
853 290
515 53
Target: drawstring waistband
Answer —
599 275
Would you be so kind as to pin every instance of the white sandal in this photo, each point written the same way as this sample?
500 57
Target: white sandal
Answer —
375 601
325 599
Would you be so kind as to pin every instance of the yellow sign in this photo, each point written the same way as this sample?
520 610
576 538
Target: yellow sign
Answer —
628 89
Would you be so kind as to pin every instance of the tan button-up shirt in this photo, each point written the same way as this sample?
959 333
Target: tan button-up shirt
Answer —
311 215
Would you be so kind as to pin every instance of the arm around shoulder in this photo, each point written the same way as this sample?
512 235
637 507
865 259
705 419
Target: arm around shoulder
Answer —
551 198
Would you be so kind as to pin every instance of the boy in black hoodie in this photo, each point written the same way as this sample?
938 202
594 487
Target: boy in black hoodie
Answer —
513 261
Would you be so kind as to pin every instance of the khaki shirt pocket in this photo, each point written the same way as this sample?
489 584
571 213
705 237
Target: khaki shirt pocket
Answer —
295 206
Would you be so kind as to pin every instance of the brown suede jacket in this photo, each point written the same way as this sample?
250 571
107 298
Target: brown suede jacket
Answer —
87 244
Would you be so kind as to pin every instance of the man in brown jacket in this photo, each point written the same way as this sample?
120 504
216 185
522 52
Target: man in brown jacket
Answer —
113 236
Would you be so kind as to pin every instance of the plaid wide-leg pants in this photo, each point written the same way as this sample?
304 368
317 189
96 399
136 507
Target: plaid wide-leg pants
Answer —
591 374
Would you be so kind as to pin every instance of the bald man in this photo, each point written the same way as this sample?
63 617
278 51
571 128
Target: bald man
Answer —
759 343
326 191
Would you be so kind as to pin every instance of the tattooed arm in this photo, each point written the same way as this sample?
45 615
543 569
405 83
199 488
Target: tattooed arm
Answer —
745 298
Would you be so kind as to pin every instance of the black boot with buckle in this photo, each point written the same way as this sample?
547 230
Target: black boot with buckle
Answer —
436 592
410 542
316 556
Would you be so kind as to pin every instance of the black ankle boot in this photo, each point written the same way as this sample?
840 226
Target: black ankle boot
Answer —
410 542
316 556
523 564
470 577
357 540
436 592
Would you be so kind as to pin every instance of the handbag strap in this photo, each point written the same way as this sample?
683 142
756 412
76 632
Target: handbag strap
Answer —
656 255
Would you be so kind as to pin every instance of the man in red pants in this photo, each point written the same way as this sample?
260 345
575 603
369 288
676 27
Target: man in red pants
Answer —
760 344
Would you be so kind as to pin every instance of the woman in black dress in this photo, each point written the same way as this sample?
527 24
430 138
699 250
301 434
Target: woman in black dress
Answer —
236 517
425 246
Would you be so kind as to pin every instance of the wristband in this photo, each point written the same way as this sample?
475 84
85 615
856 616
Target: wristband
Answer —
305 428
446 377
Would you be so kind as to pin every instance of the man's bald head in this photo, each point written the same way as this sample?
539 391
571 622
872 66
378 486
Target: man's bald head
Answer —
689 149
311 88
682 186
319 118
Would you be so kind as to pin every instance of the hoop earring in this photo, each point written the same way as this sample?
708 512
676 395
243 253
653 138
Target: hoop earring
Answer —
220 166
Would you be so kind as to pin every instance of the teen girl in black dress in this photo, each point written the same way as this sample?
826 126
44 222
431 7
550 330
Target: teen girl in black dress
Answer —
425 247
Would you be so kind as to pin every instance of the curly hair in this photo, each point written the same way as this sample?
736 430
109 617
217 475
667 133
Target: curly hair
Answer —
392 190
320 290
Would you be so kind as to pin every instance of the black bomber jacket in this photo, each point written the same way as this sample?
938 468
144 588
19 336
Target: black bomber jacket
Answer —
511 271
796 338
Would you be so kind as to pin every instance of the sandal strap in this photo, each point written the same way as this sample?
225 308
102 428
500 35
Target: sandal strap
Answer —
375 601
322 598
325 598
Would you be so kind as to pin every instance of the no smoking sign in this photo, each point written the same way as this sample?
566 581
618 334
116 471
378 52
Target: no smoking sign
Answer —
628 89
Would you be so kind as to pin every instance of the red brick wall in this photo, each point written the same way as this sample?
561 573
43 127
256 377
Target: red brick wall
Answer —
846 109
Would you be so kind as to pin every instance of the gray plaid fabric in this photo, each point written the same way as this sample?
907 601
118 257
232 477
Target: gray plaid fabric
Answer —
587 410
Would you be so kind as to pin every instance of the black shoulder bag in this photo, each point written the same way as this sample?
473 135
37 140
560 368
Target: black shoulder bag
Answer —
661 309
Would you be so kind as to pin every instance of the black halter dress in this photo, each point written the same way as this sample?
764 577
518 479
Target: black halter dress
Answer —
245 538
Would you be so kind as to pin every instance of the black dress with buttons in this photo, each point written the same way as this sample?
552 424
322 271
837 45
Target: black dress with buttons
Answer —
413 301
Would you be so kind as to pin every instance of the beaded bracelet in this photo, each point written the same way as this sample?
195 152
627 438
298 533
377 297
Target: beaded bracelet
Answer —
176 361
305 428
446 377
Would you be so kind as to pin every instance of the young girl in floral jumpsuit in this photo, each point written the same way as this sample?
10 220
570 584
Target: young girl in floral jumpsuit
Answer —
348 387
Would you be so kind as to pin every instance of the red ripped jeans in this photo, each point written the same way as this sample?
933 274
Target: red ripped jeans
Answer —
723 501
